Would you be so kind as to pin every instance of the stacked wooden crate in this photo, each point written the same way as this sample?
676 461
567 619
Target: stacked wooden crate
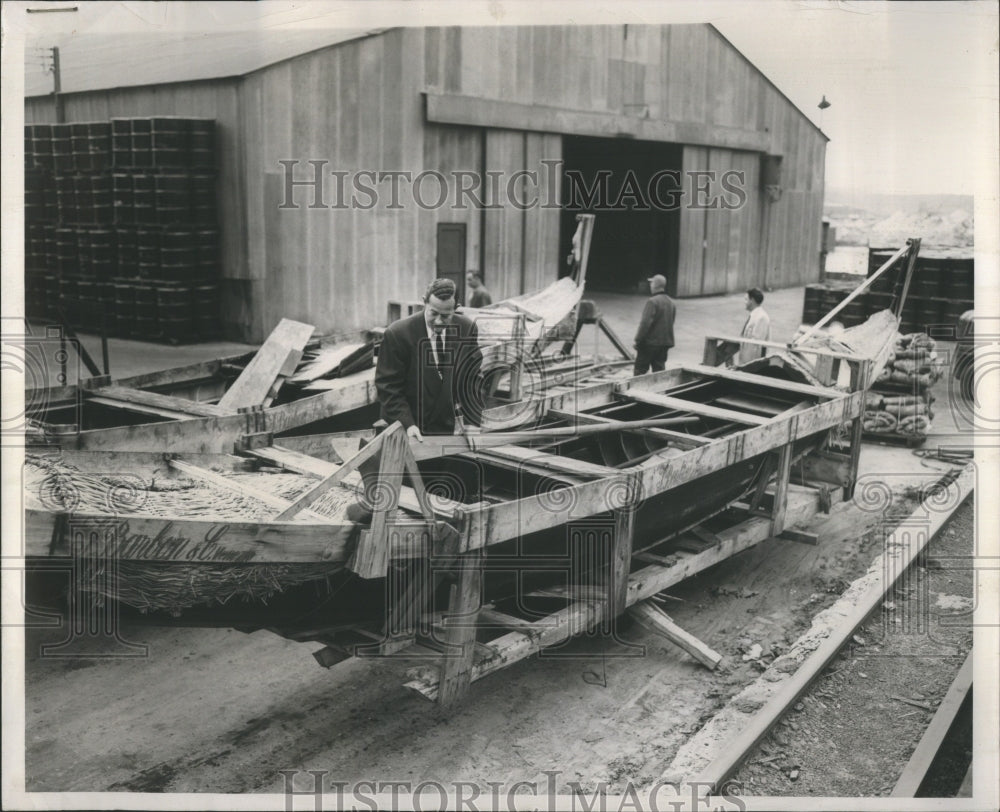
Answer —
122 228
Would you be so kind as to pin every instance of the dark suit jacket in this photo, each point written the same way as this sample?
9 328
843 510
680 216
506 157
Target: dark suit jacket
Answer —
656 329
412 390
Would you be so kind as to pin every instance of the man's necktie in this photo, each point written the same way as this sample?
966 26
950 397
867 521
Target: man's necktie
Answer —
439 348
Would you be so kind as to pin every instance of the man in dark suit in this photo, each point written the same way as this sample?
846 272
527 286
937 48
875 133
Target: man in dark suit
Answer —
655 334
429 365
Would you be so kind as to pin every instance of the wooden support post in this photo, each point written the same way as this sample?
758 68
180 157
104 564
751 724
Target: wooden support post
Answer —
520 329
857 427
621 560
781 487
371 558
659 622
415 600
460 629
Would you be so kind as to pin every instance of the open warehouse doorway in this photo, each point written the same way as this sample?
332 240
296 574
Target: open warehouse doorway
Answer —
633 188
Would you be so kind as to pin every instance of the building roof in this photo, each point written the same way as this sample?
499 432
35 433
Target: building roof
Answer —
107 61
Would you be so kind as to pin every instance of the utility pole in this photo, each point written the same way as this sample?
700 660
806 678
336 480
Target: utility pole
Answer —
57 87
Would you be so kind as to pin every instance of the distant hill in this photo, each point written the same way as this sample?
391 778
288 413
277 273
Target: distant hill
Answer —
887 204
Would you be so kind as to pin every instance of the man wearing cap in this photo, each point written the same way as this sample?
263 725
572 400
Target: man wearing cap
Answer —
758 325
656 328
429 366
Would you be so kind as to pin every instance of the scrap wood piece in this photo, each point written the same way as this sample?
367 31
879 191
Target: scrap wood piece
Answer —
182 407
274 361
656 620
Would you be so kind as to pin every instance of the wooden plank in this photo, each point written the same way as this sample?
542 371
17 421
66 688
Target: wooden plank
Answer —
135 408
642 584
701 409
460 630
491 617
471 111
206 540
278 357
659 622
140 397
930 743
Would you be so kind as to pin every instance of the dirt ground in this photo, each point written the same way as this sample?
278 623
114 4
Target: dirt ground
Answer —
849 735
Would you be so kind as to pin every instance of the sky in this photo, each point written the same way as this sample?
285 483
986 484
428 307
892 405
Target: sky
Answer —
913 87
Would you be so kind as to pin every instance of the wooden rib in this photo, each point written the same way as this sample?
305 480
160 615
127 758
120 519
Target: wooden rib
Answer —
700 409
676 438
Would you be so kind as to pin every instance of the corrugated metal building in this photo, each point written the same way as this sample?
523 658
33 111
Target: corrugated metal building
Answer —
657 106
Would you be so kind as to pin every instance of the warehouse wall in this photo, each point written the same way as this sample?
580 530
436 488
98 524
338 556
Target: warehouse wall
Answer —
682 83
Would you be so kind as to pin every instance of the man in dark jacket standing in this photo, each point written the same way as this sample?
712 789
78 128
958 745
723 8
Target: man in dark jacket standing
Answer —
429 364
656 328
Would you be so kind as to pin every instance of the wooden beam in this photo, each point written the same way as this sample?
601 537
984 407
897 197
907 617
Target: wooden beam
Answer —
621 558
659 622
276 358
140 397
460 629
552 462
739 376
434 446
675 438
335 477
782 473
642 584
473 111
692 407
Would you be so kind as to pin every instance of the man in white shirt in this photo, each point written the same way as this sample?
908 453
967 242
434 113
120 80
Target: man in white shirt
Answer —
758 325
